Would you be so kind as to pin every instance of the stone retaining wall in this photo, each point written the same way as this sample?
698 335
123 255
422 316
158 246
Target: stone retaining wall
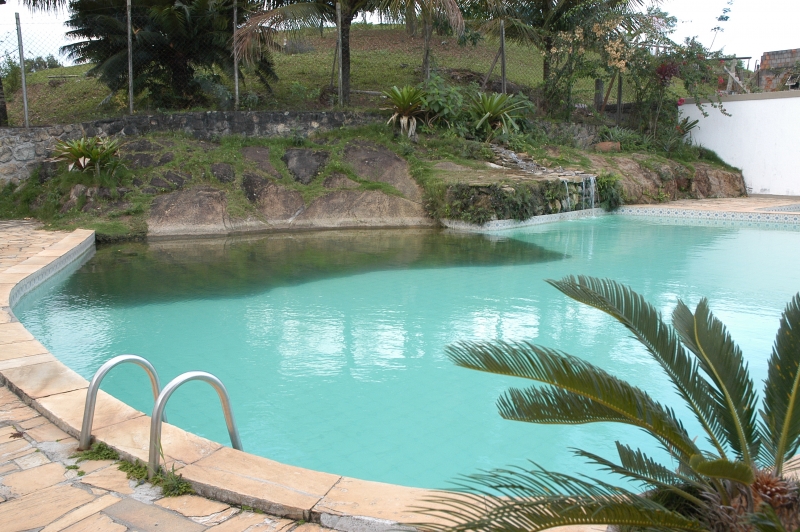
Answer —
23 150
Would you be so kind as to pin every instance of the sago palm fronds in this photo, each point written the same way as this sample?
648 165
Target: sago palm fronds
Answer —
734 482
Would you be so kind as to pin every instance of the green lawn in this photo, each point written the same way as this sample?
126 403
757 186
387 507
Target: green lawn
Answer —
382 56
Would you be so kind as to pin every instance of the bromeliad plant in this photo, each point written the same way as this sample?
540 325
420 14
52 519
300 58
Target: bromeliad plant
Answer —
408 104
496 113
93 154
733 481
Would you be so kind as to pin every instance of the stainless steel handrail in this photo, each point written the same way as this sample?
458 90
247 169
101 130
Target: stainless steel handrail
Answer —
94 387
161 403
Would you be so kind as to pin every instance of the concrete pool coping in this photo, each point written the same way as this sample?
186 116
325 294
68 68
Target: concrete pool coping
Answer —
29 370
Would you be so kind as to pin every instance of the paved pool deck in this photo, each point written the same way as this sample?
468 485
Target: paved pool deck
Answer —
41 408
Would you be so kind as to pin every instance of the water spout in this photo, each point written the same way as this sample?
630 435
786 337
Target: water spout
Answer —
569 206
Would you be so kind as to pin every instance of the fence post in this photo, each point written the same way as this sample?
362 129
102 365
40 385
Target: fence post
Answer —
598 94
235 62
130 59
619 98
339 50
503 55
22 69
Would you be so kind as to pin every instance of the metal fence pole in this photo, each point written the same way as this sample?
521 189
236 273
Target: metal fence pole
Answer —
22 69
503 55
130 60
339 50
235 62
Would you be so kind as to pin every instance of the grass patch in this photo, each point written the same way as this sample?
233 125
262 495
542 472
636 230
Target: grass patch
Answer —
98 451
172 483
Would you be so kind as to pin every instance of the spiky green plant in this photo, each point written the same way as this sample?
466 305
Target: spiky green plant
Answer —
407 105
733 481
89 154
496 113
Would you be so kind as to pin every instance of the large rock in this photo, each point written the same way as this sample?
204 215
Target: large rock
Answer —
260 156
198 211
275 203
376 163
339 181
224 172
305 164
645 180
712 182
354 208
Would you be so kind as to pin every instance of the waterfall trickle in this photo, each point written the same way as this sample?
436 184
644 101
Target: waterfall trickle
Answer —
566 186
589 190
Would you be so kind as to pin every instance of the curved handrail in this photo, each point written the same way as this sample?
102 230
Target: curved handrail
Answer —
94 387
161 403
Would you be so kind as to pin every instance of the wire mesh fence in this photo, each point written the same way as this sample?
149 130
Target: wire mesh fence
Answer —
182 57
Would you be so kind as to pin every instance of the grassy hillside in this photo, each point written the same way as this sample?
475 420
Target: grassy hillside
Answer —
382 56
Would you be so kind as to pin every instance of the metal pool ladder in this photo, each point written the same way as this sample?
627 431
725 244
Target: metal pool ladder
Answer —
161 398
94 387
161 403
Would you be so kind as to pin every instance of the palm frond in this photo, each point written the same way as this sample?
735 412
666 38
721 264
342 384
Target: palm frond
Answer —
720 468
579 378
721 359
660 340
781 414
261 28
522 500
636 465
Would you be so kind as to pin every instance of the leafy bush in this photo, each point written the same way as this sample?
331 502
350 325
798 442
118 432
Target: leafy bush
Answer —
92 154
723 482
11 74
302 93
408 105
629 140
610 191
444 103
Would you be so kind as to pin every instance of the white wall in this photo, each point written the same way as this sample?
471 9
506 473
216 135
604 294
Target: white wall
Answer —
762 137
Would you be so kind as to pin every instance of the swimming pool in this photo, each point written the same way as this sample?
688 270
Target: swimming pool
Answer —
331 344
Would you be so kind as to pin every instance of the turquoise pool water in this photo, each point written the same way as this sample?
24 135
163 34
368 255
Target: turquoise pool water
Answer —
331 344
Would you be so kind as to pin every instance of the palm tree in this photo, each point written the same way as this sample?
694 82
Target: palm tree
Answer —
729 482
291 15
172 41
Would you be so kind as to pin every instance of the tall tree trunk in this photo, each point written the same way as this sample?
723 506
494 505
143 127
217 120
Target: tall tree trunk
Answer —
548 45
347 20
3 109
426 58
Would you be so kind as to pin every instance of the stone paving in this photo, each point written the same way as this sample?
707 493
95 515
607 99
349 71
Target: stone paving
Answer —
43 489
755 203
21 239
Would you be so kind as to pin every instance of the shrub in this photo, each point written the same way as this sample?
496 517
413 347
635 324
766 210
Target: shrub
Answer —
92 154
496 114
610 191
407 105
